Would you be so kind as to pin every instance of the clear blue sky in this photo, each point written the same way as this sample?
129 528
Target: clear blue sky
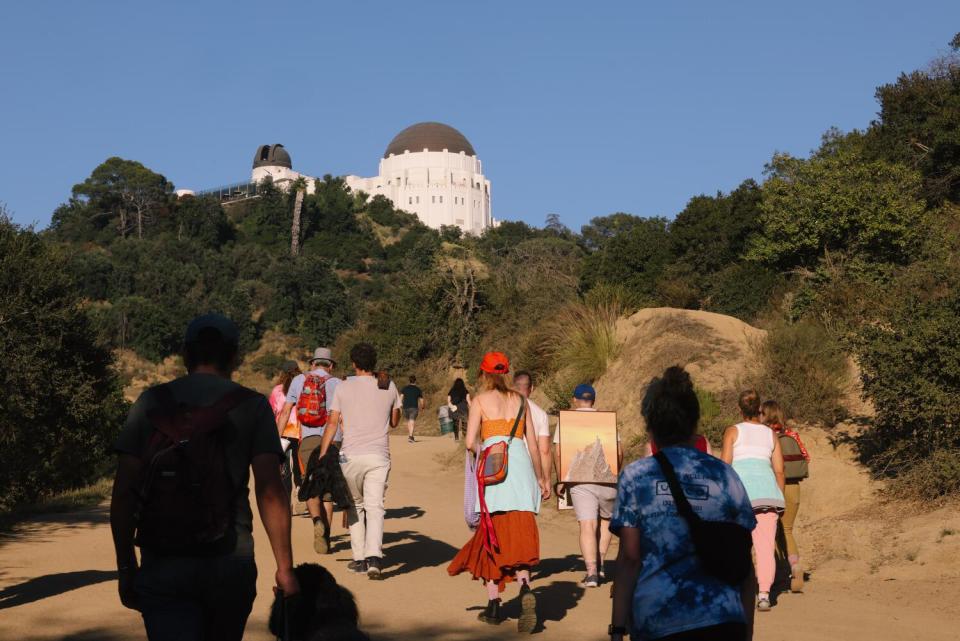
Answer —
580 109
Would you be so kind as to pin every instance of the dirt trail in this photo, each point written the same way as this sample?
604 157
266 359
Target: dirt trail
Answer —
57 580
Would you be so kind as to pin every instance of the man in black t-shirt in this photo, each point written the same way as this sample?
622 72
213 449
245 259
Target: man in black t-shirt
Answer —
412 404
186 595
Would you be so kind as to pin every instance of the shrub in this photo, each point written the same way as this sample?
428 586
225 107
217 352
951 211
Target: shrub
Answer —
714 418
910 362
582 337
269 364
802 367
928 479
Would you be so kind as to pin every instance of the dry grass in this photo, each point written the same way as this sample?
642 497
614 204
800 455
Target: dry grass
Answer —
68 501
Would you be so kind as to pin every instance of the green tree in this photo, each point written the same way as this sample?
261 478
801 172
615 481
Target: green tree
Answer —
601 229
61 405
918 124
126 192
308 299
837 202
203 221
712 231
634 259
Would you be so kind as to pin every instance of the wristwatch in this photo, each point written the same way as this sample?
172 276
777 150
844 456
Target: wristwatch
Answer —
616 629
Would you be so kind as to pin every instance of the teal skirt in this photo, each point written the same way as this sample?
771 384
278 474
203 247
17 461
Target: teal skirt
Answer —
760 482
520 490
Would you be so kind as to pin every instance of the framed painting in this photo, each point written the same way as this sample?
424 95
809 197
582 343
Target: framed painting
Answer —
588 447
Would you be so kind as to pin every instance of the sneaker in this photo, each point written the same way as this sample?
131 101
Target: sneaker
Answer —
357 567
410 439
590 581
373 568
321 538
763 603
491 614
528 610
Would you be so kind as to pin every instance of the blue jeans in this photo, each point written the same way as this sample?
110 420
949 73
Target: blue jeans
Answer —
196 599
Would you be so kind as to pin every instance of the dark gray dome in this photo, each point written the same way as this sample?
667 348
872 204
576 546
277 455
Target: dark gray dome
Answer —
434 136
272 156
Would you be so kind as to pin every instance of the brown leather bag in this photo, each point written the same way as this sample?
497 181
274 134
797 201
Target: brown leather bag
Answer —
493 465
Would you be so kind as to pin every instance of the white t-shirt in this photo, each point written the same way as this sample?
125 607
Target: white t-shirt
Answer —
366 410
539 418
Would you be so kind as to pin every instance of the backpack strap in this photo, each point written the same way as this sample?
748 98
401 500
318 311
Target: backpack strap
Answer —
202 419
683 505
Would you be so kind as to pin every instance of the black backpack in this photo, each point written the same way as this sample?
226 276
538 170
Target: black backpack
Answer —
724 548
186 496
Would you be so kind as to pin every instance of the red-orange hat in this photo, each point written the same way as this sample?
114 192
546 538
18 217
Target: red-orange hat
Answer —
495 363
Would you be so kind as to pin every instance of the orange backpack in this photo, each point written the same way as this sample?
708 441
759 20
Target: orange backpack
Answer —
312 404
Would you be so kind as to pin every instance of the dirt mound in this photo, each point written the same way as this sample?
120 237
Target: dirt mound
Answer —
714 348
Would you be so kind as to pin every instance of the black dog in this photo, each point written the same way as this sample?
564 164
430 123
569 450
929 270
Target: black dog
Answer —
323 611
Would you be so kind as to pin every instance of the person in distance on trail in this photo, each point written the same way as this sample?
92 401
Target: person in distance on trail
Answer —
197 578
366 406
290 434
309 398
592 504
507 544
661 590
795 468
459 402
523 383
412 405
754 451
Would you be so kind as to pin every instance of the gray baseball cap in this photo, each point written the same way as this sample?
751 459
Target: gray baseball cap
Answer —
226 327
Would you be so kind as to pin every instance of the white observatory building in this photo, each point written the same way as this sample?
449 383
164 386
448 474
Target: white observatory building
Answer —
431 169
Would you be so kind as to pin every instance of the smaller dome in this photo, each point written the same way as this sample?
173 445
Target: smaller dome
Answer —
272 156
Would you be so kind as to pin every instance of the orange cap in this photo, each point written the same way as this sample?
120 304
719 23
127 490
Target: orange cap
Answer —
495 363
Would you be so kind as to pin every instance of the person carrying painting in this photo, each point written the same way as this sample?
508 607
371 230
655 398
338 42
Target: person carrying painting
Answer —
592 503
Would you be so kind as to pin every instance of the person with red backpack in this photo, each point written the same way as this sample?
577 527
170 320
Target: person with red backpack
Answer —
181 495
310 395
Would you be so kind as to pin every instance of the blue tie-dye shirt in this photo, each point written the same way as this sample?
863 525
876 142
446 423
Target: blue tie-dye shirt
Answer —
673 593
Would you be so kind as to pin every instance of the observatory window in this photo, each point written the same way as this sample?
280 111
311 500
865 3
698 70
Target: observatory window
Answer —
418 200
410 201
441 200
459 221
433 199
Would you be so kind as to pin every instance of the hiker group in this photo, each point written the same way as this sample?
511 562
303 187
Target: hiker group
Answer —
687 521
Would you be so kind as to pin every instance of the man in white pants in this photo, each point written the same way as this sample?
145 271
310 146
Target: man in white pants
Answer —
366 411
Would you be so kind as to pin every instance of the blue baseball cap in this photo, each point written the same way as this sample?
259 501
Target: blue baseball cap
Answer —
584 392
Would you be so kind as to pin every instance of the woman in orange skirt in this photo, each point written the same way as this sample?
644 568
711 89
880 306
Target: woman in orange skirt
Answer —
514 546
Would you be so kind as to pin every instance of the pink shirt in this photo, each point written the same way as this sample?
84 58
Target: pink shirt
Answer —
277 399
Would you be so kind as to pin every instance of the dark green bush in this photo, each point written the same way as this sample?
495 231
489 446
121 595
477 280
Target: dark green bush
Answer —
61 405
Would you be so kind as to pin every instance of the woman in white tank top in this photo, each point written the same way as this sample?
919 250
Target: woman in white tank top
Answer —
754 452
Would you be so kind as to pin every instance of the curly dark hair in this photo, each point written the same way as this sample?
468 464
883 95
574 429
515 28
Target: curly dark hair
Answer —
671 408
364 356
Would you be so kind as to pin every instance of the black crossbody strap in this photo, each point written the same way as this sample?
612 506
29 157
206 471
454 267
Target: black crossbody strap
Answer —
516 423
683 505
